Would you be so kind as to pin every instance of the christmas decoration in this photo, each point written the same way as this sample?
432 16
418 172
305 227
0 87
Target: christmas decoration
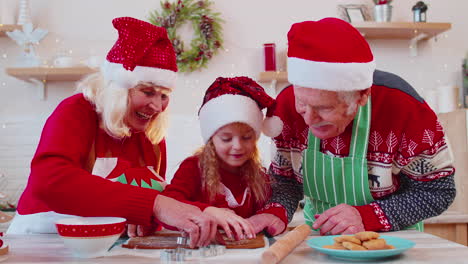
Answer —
26 39
24 12
207 31
419 12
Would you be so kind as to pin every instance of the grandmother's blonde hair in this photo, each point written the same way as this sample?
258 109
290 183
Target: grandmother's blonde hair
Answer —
251 171
111 102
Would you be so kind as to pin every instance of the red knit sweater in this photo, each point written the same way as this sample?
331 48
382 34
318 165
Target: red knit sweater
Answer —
60 178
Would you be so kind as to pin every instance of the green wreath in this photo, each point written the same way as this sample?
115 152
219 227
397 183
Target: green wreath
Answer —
207 31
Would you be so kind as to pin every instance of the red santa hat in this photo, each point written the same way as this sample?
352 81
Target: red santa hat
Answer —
329 54
142 53
238 99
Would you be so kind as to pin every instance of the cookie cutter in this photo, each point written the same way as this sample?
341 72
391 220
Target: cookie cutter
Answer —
204 252
182 253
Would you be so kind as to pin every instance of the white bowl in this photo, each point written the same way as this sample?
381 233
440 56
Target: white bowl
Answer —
90 237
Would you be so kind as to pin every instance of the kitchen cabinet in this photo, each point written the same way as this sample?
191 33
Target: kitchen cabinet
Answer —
453 224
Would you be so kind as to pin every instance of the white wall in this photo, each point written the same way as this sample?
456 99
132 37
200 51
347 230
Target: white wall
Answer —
85 28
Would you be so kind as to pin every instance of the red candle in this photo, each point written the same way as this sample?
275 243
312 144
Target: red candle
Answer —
270 56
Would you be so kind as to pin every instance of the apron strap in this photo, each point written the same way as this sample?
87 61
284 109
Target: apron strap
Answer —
360 136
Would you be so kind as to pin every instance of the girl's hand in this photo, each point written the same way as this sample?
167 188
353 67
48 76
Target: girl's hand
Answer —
230 221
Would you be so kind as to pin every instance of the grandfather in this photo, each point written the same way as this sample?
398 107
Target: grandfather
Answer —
361 147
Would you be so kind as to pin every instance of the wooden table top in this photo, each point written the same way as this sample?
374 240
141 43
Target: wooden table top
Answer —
49 248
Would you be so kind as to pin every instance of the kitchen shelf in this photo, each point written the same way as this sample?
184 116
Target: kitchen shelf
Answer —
7 28
400 30
269 76
414 32
50 74
40 75
273 77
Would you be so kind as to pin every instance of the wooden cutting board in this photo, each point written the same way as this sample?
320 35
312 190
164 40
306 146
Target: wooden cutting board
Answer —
168 240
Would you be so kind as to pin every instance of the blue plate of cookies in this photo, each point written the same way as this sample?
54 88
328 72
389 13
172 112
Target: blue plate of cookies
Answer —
394 246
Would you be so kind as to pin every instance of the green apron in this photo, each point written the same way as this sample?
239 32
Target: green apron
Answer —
329 181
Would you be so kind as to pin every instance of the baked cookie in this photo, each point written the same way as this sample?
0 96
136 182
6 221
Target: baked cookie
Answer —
351 239
335 246
375 244
366 235
352 246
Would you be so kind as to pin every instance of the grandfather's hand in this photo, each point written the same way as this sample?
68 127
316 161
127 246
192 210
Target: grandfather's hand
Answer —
200 227
140 230
272 223
230 221
341 219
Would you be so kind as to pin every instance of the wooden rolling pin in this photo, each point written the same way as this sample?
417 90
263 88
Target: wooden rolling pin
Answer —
284 245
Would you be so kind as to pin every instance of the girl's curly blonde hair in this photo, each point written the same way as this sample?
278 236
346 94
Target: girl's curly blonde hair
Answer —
111 102
252 172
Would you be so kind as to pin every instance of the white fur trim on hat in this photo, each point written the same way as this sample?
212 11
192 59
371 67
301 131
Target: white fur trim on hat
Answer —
226 109
125 78
330 76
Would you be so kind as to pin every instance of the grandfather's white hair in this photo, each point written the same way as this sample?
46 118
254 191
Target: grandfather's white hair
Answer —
350 98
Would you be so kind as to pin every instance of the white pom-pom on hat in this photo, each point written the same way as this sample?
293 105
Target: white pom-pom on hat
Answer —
272 126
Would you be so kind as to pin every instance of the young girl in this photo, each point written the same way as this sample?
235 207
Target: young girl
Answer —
225 177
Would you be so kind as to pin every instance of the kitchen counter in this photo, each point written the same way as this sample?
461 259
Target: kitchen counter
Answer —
49 248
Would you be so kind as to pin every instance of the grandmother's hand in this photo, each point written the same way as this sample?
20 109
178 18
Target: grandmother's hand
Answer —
341 219
200 227
273 225
140 230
